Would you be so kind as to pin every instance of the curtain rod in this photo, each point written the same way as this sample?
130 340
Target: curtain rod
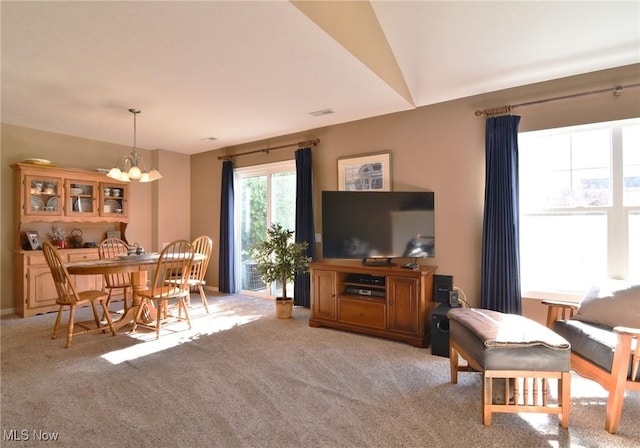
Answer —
299 145
508 108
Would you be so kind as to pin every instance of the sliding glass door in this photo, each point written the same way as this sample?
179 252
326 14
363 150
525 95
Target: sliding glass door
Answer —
265 194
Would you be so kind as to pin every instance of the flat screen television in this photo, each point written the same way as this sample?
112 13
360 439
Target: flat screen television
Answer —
377 226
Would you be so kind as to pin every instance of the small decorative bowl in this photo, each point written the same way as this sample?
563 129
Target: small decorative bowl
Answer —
75 191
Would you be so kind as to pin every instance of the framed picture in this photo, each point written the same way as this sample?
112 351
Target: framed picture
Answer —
366 172
34 240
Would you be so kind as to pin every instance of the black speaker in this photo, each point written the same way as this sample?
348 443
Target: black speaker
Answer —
442 286
440 331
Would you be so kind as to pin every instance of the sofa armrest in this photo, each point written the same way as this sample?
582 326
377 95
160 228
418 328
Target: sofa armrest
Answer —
627 331
558 309
625 351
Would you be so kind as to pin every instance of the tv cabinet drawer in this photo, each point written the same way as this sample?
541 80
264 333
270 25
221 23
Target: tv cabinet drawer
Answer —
360 312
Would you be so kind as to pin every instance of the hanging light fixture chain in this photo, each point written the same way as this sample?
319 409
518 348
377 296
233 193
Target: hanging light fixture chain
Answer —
135 113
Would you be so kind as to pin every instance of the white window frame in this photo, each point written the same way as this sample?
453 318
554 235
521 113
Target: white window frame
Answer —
617 214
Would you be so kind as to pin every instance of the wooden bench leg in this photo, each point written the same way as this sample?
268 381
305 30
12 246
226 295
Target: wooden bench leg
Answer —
487 398
564 398
453 363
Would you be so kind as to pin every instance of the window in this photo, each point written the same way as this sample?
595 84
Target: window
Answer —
265 194
579 206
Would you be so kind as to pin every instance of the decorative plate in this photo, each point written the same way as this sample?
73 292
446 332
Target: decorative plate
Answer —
111 205
39 162
83 205
36 203
102 170
52 203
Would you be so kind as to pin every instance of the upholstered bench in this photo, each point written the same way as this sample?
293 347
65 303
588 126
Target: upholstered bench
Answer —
520 352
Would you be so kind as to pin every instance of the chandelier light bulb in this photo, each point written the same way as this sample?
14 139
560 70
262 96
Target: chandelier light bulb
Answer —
135 172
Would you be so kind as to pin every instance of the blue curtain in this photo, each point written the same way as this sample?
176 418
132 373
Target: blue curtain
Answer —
305 229
500 239
226 265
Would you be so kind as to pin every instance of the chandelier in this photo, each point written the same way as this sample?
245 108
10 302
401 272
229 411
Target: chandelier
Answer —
132 166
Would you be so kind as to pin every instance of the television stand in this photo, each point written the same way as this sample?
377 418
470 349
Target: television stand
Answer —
385 301
378 261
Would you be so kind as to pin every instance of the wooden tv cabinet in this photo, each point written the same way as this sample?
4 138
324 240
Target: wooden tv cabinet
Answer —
387 301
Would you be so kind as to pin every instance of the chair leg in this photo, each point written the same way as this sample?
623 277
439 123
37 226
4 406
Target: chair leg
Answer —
614 408
96 317
617 383
56 325
104 315
186 312
138 314
204 298
105 312
161 307
72 312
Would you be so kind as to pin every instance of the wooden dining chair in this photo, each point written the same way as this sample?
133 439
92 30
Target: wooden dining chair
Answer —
170 282
202 245
68 296
111 248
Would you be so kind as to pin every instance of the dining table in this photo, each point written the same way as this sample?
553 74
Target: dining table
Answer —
137 266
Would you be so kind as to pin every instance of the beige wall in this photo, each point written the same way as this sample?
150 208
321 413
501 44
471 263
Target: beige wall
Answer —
438 148
20 143
172 199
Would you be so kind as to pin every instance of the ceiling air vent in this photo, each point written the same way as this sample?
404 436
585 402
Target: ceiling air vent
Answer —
319 113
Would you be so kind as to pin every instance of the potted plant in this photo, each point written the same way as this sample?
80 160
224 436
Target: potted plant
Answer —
278 257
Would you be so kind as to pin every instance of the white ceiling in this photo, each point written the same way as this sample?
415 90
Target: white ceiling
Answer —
243 71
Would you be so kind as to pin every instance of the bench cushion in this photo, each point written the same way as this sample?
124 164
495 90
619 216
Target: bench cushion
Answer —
498 341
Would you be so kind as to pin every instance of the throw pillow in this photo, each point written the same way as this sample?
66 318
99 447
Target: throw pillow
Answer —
611 306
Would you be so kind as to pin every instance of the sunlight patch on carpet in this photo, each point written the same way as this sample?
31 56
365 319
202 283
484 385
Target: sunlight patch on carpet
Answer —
172 335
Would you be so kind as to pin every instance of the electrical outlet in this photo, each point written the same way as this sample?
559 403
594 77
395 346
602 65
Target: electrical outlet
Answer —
454 299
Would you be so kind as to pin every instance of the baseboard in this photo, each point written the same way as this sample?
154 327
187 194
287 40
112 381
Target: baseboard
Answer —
7 311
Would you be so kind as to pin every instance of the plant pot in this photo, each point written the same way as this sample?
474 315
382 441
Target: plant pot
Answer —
284 308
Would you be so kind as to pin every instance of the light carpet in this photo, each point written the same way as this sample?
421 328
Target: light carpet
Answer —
242 378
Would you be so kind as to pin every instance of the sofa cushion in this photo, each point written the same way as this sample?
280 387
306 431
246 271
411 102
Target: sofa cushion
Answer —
611 306
595 343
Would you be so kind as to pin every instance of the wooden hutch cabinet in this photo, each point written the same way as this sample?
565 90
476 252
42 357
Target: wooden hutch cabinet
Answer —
387 301
49 195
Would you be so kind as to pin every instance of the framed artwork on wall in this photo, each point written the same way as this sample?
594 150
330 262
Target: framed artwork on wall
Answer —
366 172
34 240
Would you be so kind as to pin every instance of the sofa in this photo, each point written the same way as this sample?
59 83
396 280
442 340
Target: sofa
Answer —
603 330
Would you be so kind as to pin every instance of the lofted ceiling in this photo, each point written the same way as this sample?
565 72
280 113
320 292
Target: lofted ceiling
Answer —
242 71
